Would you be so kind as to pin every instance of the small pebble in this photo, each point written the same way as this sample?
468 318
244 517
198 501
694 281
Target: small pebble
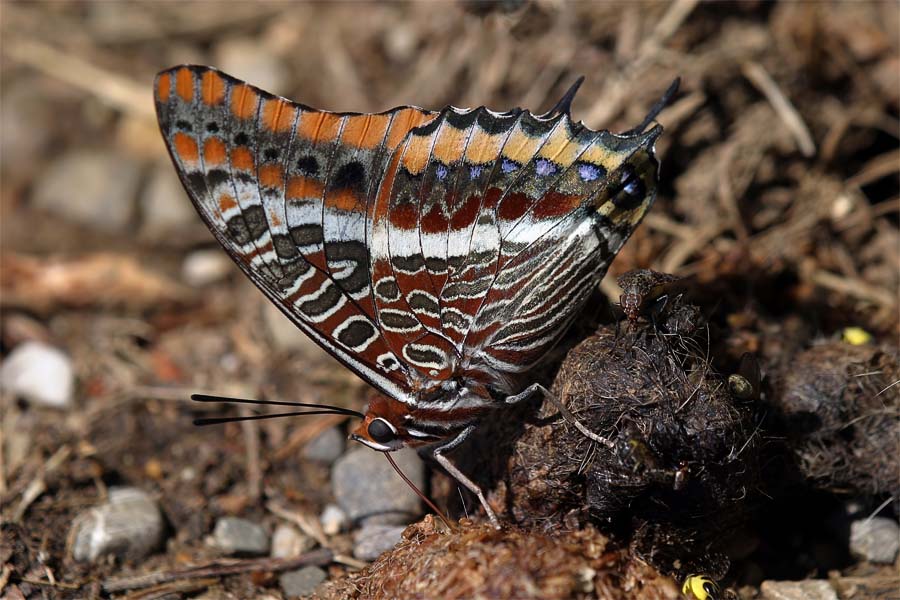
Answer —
876 540
129 526
95 189
240 536
301 582
365 485
333 519
400 42
203 267
372 540
40 373
326 447
287 542
808 589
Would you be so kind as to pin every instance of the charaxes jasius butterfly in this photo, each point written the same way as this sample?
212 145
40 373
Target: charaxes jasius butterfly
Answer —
437 254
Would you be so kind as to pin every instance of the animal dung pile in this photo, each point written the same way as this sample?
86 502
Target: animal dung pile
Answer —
682 451
838 405
478 561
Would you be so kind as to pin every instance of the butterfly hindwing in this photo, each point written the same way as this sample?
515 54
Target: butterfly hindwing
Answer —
557 250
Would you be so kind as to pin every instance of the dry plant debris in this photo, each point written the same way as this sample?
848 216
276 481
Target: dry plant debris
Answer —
477 561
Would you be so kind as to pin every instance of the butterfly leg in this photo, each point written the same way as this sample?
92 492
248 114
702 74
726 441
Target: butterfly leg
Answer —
566 413
459 476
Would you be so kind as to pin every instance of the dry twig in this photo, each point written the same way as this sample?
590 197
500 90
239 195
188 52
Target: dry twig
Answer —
311 527
119 92
783 108
219 568
38 485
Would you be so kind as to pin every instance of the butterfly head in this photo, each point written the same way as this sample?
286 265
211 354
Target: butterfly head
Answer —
389 424
382 427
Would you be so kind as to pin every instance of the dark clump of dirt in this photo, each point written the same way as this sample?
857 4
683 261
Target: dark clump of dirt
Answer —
476 560
839 411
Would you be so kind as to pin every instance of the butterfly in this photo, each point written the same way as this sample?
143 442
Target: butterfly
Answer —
437 254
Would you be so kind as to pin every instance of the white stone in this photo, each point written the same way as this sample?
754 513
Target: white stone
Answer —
808 589
240 536
165 207
366 486
326 447
129 526
333 519
287 542
876 540
302 582
203 267
373 540
40 373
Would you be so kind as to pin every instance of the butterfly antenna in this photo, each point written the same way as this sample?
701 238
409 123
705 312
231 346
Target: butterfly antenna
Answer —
418 492
326 408
657 108
219 420
564 105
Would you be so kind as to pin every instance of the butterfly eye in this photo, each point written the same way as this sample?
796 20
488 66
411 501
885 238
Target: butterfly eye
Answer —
630 190
381 431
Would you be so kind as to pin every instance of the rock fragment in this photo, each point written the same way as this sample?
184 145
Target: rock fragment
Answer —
40 373
240 536
366 486
129 526
876 540
301 582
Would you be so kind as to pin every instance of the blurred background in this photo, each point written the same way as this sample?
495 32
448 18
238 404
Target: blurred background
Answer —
779 187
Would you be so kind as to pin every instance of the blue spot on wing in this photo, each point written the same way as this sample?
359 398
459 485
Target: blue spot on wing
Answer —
544 167
590 172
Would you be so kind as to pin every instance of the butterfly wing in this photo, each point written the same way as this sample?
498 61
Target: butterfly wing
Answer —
557 240
489 232
428 197
285 189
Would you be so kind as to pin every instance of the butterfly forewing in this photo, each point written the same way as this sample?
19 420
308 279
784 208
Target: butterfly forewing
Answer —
271 180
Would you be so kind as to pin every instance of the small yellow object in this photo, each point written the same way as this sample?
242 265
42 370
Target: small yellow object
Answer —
856 336
700 587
